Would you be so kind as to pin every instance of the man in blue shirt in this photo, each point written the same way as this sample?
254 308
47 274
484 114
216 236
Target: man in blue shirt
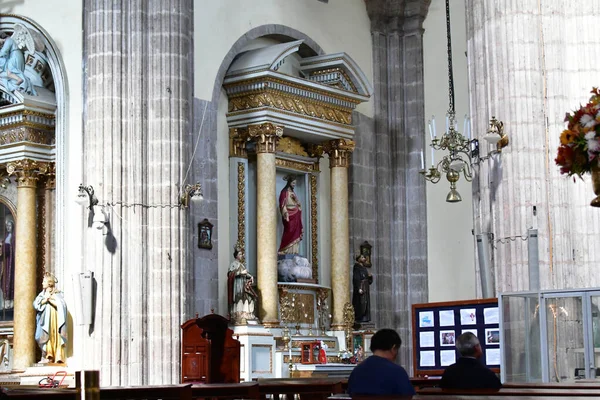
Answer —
379 374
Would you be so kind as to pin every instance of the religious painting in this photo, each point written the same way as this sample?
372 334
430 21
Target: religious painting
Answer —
205 235
7 263
365 250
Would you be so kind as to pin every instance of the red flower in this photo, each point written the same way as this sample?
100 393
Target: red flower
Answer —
565 158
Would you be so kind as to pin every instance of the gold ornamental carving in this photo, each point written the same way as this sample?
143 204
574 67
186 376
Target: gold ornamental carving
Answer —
300 166
50 181
266 136
22 133
241 204
291 145
237 142
339 151
349 323
291 103
314 228
27 171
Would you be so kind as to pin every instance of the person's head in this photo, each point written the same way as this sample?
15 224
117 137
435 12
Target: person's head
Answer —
9 225
361 259
291 181
386 343
468 345
238 253
49 281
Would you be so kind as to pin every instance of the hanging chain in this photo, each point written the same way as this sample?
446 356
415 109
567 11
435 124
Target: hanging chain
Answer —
450 73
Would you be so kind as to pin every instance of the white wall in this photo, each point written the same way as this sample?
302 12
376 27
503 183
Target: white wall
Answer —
450 242
340 25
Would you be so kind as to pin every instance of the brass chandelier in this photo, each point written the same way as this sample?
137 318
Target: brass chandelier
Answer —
462 150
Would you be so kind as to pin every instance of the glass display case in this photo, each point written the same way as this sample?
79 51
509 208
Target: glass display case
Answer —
550 336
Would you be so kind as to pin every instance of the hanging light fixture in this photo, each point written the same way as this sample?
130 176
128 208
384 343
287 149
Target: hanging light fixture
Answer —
461 148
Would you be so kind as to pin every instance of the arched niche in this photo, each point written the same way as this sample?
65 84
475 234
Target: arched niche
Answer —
33 126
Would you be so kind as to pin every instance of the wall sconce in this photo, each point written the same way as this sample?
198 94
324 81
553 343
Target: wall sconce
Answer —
100 218
86 196
190 192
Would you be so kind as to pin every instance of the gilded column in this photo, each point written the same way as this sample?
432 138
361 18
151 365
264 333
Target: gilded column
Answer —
339 151
266 136
27 172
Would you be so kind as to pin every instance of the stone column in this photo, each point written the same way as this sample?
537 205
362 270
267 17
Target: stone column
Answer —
266 136
530 90
138 59
339 151
26 172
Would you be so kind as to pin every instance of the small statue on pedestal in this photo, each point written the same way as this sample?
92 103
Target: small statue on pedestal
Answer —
240 291
361 296
51 321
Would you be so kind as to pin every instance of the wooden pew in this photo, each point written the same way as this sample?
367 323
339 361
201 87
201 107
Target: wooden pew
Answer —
163 392
508 392
31 392
306 388
244 390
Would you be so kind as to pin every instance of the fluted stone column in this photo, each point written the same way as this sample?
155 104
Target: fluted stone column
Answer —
339 156
266 136
26 172
138 58
530 85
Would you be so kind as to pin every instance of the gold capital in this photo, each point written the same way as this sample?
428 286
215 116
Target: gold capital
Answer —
266 136
27 171
237 142
339 151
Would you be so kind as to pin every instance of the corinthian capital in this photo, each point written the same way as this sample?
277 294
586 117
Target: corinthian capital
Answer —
237 142
266 136
339 151
27 171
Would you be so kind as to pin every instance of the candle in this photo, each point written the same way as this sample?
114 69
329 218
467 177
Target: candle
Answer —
465 126
432 160
430 130
422 161
433 125
447 122
290 352
469 129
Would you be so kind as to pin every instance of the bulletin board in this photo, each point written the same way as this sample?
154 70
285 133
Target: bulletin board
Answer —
436 326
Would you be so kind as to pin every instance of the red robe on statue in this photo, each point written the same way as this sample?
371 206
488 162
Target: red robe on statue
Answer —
292 228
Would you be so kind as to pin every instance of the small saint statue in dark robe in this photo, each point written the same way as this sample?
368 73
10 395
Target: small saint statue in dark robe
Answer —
361 282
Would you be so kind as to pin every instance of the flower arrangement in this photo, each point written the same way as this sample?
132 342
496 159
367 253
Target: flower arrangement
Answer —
580 142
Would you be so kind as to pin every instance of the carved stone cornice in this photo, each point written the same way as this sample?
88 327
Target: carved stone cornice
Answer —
237 142
339 151
27 171
265 136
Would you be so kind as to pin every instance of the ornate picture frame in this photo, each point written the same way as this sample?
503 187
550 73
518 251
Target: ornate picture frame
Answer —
205 234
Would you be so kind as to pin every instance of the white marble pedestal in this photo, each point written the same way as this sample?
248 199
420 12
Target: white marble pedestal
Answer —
257 352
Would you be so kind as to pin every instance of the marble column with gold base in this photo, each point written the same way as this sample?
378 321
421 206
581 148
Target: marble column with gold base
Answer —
339 151
266 136
27 172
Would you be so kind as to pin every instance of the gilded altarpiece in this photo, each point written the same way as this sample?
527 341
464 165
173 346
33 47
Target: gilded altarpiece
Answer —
291 158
